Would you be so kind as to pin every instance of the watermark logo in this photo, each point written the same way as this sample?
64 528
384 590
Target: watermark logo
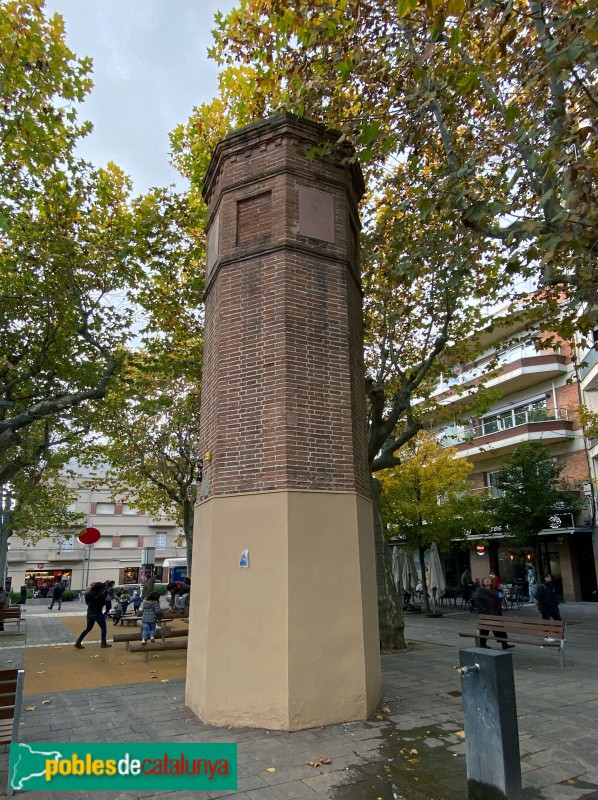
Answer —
60 766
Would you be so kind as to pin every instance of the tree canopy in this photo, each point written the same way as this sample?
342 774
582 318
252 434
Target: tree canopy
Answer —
149 447
428 498
530 495
488 107
89 274
79 256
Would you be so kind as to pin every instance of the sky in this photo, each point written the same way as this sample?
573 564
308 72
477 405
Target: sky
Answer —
150 68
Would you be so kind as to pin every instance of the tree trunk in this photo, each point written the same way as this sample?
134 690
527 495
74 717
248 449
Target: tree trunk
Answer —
4 536
5 530
422 565
188 519
390 611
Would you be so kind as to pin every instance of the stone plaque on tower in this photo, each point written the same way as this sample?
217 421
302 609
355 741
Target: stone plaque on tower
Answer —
283 623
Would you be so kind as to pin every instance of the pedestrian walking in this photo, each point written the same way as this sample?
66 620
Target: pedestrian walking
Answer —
548 602
532 583
488 602
95 597
57 593
149 618
137 601
4 603
108 596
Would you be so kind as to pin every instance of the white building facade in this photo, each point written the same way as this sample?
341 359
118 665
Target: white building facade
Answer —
125 534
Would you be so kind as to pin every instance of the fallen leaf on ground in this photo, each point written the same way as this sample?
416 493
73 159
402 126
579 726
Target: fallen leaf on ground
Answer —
326 760
29 708
386 709
460 734
379 716
313 763
164 680
43 672
414 751
270 769
46 702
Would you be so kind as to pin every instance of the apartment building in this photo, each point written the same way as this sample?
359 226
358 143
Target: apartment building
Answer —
587 358
125 534
538 393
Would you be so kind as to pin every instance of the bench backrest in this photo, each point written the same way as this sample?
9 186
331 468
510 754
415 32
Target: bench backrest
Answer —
13 611
11 694
521 625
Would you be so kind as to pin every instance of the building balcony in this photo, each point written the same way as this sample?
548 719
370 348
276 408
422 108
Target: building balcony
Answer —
505 434
62 554
167 552
588 372
519 368
161 523
16 555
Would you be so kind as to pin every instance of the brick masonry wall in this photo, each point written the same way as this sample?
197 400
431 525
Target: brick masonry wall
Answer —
283 383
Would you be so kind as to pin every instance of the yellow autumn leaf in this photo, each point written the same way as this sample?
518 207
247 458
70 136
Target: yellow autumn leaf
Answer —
460 734
29 708
270 769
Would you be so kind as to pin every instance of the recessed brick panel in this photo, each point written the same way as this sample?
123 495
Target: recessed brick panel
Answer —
316 214
254 218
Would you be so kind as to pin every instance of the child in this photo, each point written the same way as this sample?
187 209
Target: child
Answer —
137 601
151 612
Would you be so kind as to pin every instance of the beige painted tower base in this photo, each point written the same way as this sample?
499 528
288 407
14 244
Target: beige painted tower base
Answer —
276 644
288 639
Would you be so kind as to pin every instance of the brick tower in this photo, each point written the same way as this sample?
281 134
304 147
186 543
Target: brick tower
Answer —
283 629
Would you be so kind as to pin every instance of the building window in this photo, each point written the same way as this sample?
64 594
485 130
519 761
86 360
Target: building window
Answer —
66 543
105 508
491 483
129 511
519 415
160 540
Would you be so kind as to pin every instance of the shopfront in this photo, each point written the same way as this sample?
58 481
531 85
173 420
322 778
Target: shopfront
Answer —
35 579
565 554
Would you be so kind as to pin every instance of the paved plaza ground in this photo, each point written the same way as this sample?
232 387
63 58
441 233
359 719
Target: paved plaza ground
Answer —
411 749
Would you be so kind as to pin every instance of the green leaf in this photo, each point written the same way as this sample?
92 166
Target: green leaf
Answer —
404 7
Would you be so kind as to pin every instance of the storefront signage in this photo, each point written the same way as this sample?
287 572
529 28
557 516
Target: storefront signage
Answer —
41 566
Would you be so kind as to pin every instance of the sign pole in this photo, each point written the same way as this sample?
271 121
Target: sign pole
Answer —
88 560
88 537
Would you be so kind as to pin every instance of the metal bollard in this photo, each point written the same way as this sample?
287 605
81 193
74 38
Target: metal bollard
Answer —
490 725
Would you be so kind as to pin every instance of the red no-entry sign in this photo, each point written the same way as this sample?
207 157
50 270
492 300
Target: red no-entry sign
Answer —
89 536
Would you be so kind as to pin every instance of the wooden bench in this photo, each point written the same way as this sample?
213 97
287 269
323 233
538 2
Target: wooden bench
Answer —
12 614
11 698
535 632
135 636
158 646
128 621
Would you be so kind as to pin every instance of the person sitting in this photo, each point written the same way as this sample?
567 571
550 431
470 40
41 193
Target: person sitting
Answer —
181 600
